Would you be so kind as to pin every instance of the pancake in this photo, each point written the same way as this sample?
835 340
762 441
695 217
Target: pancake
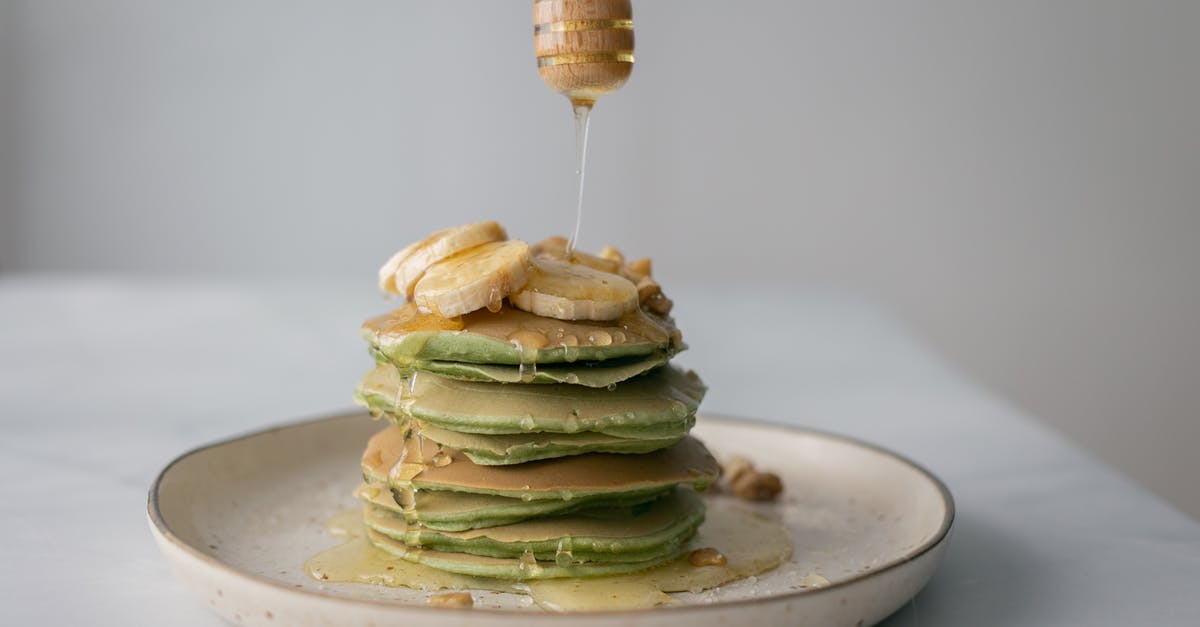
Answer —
654 405
512 337
416 462
653 531
508 568
458 511
593 374
503 450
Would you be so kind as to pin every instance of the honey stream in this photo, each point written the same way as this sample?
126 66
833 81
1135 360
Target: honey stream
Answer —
583 118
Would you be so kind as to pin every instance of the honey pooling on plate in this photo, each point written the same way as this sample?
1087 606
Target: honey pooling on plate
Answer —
540 443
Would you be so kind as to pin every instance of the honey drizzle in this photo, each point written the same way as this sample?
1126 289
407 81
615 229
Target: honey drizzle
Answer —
751 542
583 118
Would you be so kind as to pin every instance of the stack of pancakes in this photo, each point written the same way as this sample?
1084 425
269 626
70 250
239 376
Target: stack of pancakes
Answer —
527 446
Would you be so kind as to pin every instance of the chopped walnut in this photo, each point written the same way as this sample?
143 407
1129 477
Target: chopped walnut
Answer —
452 599
638 268
659 304
757 486
648 288
734 466
650 294
612 254
707 556
813 580
746 482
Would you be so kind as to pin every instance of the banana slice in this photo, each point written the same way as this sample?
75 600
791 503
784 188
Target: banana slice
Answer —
401 273
556 248
575 291
473 279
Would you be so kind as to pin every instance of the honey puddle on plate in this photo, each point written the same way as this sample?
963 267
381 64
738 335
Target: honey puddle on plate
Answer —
751 543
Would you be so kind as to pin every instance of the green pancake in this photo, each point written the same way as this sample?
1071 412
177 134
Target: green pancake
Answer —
444 510
418 463
593 374
655 405
651 532
512 337
508 568
503 450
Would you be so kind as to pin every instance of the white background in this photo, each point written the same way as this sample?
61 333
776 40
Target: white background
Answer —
1019 180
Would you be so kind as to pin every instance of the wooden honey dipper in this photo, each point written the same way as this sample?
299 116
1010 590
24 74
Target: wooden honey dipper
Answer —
584 47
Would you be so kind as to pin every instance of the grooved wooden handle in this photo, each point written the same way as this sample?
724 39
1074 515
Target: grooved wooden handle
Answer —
584 47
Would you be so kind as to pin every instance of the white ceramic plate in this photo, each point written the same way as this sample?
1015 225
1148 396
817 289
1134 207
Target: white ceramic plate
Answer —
237 519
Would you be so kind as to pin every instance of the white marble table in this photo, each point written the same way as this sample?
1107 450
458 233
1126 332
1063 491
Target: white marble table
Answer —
103 381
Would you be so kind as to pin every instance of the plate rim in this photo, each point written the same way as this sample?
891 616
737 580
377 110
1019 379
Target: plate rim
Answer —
160 527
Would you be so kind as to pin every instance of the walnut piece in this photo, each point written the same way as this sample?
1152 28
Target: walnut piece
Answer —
650 294
648 288
813 580
748 483
659 304
451 599
757 486
612 254
638 268
707 556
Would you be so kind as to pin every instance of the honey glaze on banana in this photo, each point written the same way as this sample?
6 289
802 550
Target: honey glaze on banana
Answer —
530 332
749 542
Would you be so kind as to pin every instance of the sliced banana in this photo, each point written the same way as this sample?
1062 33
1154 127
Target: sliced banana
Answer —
401 273
574 291
556 248
473 279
